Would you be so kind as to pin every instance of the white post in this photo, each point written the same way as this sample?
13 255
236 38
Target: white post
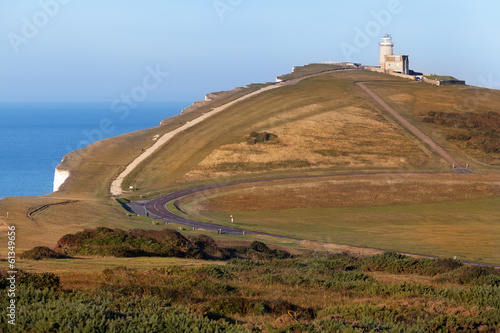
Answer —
232 219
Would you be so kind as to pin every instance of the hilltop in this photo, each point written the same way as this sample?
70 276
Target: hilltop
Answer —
322 124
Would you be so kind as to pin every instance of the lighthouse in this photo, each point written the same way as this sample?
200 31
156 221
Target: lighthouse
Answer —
390 62
386 48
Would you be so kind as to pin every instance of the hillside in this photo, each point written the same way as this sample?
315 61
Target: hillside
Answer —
322 124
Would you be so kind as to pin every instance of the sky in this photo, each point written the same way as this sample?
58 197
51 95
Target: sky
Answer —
165 50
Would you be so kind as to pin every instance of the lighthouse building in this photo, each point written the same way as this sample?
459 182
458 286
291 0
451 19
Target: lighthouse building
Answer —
389 61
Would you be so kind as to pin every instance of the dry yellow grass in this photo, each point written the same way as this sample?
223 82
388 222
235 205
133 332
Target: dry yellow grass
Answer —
414 100
345 191
352 137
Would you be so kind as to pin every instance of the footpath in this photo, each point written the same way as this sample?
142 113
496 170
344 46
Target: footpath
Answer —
418 133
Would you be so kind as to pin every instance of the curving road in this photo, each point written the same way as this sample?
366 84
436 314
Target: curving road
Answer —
157 207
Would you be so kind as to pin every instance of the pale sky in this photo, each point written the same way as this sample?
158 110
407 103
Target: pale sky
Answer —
100 50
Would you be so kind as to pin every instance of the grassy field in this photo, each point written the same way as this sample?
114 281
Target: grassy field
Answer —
301 71
468 229
345 191
320 102
442 215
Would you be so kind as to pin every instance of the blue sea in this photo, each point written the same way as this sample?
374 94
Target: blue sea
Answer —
35 137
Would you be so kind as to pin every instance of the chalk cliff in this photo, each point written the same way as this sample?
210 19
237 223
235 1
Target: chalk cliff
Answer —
60 177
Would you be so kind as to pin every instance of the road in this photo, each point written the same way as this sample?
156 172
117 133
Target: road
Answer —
156 208
418 133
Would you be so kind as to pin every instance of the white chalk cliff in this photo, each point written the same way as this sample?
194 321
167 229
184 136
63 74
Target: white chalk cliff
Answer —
60 177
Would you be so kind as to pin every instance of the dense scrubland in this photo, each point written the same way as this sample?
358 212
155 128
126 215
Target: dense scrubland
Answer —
476 131
252 288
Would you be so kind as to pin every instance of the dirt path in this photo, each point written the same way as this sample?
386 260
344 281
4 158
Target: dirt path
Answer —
116 185
427 140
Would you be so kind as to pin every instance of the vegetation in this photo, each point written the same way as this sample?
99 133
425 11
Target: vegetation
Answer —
441 77
263 137
140 243
325 124
161 280
444 215
415 101
305 293
42 252
310 69
477 131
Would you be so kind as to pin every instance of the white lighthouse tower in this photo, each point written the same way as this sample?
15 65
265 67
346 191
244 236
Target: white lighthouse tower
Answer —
386 49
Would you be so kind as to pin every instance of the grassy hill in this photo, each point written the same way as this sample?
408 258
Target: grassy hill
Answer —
324 124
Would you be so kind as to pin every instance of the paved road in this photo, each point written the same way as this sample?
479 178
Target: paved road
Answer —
418 133
156 208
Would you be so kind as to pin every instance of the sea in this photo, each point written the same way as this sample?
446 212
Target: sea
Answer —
34 137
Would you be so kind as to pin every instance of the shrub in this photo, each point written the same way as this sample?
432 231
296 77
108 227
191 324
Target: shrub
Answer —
395 263
40 280
263 137
42 252
475 275
134 243
260 247
209 247
480 131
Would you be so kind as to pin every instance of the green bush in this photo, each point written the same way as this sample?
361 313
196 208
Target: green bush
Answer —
135 243
395 263
34 280
475 275
51 311
42 252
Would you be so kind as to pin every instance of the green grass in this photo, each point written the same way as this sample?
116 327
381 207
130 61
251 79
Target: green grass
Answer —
310 69
468 229
441 77
98 264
